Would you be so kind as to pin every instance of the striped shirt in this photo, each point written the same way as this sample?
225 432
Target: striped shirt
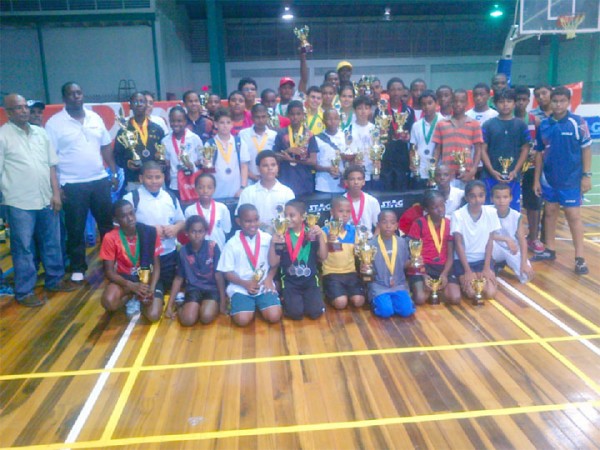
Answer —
457 138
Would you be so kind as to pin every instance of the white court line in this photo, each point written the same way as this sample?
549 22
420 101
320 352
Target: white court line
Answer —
95 394
548 315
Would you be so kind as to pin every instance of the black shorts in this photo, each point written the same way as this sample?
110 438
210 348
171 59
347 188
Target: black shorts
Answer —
434 271
301 301
198 296
531 202
136 279
168 268
476 266
339 284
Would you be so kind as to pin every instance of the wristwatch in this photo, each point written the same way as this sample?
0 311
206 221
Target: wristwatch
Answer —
587 174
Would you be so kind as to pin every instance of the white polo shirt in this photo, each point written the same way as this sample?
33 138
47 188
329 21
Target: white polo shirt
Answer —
234 259
362 142
159 210
229 183
370 213
417 138
324 182
78 146
252 139
222 221
266 200
191 145
454 201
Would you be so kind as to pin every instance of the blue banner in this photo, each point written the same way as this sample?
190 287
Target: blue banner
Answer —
594 126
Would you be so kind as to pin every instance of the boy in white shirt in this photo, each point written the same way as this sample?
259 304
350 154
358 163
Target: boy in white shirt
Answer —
268 193
257 138
364 208
453 196
421 139
481 110
361 136
328 146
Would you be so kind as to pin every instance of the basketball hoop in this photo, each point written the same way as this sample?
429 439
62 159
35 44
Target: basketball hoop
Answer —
570 24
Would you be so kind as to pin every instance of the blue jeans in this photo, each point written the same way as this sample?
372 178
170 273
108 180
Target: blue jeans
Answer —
41 225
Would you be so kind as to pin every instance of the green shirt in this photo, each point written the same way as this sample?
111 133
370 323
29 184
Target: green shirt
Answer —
25 161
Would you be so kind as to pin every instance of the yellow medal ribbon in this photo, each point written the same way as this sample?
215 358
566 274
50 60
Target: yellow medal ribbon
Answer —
291 135
389 262
260 147
226 156
438 241
143 131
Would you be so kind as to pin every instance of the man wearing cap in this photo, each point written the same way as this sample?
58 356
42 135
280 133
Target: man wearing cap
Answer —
344 70
287 91
31 193
36 109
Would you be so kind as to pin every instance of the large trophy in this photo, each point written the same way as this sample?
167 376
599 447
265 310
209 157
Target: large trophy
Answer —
366 254
302 35
382 121
434 284
431 174
460 158
161 153
416 249
335 163
478 284
362 238
280 224
335 229
186 161
208 153
505 163
128 139
348 155
376 153
415 160
400 118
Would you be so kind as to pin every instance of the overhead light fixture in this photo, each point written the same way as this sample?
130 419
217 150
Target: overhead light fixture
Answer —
287 13
387 14
496 12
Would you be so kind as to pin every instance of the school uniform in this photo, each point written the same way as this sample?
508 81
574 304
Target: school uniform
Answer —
421 136
198 271
189 144
326 146
362 143
255 144
222 220
229 157
266 200
369 215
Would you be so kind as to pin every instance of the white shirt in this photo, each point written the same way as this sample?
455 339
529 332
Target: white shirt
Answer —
324 182
418 113
475 233
510 225
222 221
78 146
425 150
483 116
370 213
189 144
266 200
361 142
229 183
455 198
251 139
234 259
158 210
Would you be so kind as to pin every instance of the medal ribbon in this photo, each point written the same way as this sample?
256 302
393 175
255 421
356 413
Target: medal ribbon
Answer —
143 131
294 246
389 262
252 257
176 145
213 214
313 120
226 156
427 136
348 122
438 241
291 135
133 258
263 142
361 208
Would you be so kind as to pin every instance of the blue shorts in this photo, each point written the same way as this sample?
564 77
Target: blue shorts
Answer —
515 191
566 197
250 303
399 302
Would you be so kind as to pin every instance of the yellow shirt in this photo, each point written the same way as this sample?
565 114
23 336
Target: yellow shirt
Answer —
343 261
315 122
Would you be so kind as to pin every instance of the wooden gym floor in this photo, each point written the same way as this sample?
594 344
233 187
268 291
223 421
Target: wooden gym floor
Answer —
523 371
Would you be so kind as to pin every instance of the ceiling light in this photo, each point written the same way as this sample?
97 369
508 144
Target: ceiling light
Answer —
496 12
287 13
387 14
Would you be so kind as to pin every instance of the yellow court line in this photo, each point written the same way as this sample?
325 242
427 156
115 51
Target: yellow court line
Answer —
315 427
559 356
591 234
592 242
113 421
591 325
302 357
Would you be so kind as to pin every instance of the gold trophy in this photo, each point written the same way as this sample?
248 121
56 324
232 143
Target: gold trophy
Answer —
161 152
359 158
311 220
366 254
400 118
460 158
335 229
434 284
203 97
365 83
128 139
505 163
144 275
415 160
186 162
348 155
259 273
280 224
431 174
273 121
376 153
362 238
302 35
208 153
335 162
382 121
416 248
478 284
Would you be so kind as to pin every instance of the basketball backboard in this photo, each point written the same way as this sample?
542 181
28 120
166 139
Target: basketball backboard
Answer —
549 16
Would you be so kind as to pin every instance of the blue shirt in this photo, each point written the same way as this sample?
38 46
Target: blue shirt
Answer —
562 142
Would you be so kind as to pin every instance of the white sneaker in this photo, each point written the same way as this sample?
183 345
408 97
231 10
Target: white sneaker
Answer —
132 307
77 277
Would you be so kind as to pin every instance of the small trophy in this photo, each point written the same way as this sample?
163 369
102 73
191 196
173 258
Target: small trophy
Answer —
144 276
366 254
311 220
365 83
128 139
416 248
160 154
280 224
335 162
348 155
505 163
460 158
302 35
273 121
259 273
382 121
431 174
478 284
335 228
400 118
208 153
186 162
203 97
434 284
416 161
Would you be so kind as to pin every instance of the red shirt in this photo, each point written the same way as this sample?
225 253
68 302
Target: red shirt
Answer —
420 230
112 250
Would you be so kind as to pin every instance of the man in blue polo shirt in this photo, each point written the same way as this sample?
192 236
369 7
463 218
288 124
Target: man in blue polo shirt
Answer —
562 173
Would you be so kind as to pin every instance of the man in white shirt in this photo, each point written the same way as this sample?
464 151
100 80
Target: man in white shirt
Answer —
83 145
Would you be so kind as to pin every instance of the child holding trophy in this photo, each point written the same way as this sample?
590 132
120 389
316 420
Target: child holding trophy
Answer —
328 146
245 264
128 252
305 247
422 145
438 253
388 292
505 147
257 138
364 207
473 227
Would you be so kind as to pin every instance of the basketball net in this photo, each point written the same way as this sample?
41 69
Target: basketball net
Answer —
570 24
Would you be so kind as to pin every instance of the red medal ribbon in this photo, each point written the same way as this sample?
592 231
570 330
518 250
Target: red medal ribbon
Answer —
252 257
213 214
361 208
294 251
175 144
391 113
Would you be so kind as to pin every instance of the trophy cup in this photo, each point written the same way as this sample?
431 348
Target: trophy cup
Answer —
311 220
415 160
400 118
186 162
280 224
273 121
460 158
203 97
160 154
382 121
505 163
359 158
335 228
302 35
416 248
376 153
335 163
259 273
144 276
348 154
362 239
431 174
478 284
434 284
365 83
128 139
208 153
366 254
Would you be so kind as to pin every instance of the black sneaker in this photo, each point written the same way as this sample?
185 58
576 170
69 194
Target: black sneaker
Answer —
581 267
546 255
